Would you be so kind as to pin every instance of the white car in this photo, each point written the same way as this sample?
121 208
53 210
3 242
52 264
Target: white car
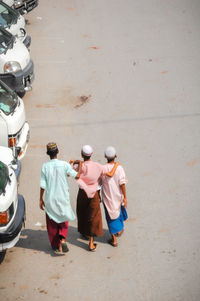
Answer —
12 206
14 127
10 159
22 6
12 21
16 66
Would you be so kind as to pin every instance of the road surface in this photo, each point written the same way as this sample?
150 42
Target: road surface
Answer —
121 73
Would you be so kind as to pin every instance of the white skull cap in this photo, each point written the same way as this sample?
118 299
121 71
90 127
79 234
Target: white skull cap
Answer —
110 152
87 150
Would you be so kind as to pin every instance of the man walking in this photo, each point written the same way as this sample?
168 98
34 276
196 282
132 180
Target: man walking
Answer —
114 196
53 181
88 201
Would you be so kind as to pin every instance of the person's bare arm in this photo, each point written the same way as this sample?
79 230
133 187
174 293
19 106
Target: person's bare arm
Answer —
41 204
123 188
79 162
112 172
79 170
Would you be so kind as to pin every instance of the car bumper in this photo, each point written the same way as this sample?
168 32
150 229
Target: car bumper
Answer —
20 81
10 237
27 6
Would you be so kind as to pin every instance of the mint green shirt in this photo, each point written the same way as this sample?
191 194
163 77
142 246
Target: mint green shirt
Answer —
53 179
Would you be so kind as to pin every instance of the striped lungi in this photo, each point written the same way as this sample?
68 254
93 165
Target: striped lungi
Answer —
89 214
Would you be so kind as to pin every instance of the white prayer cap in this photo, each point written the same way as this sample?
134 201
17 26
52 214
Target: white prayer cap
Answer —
110 152
87 150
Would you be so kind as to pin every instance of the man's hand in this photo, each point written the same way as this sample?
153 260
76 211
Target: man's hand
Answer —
111 173
42 204
71 161
124 202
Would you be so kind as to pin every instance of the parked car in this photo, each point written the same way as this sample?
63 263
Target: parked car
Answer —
22 6
12 207
14 131
16 66
11 20
10 158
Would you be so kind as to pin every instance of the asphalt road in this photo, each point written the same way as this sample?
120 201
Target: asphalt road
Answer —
121 73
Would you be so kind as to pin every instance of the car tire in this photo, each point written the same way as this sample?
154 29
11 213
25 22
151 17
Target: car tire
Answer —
2 256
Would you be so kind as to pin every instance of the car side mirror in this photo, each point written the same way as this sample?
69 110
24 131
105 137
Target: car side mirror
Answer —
16 151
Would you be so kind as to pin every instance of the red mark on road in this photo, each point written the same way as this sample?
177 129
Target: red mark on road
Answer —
34 146
132 220
94 47
192 163
164 72
47 106
164 230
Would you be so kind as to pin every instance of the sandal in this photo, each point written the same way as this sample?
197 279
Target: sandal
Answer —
110 241
64 247
93 249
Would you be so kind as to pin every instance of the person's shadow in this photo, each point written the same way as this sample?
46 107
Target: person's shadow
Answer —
38 240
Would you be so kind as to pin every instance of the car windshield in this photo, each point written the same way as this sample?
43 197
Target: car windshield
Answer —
4 177
7 16
8 99
6 40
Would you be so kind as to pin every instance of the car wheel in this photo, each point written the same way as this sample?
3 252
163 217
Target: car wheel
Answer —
2 256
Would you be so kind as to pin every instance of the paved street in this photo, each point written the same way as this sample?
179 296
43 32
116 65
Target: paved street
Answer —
127 74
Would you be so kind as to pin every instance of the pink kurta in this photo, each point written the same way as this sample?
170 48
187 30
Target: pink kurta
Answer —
112 196
89 178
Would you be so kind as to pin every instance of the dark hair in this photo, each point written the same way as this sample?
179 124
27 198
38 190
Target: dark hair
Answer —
52 153
110 159
85 157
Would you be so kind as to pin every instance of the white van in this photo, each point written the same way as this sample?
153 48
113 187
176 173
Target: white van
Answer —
9 157
22 6
12 208
11 20
16 67
14 131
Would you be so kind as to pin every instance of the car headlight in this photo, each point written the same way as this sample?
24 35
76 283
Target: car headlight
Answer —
18 3
12 67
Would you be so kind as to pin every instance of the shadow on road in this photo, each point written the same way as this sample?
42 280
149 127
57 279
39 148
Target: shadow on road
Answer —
38 240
